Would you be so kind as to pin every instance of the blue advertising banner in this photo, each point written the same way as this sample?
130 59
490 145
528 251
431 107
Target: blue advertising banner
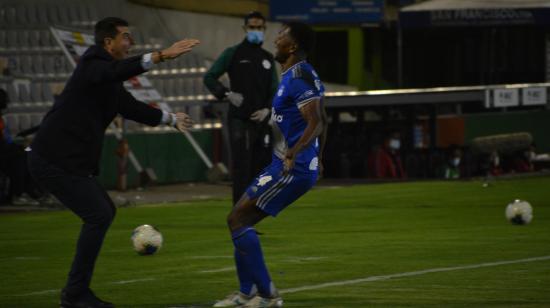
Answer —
328 11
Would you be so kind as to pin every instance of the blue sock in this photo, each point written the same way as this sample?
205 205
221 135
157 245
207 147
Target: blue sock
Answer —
247 246
246 280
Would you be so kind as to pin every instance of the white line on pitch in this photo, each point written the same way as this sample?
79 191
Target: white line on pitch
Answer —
39 292
224 269
211 257
408 274
132 281
57 290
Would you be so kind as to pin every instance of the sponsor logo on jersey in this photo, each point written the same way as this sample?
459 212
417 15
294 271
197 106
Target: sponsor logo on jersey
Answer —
266 64
276 117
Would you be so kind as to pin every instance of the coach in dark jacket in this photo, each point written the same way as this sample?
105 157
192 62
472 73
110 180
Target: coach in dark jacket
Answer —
66 150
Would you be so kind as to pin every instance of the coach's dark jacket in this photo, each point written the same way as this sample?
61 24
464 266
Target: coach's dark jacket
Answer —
71 134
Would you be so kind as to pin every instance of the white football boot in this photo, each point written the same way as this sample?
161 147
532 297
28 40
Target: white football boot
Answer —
236 299
264 302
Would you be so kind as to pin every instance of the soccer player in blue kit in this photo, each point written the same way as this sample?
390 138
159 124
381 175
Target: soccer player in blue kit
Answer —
299 129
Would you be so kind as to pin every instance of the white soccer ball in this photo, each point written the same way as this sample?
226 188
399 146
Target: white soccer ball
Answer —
146 239
519 212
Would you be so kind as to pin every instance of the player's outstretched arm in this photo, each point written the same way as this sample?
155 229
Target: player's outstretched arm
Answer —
312 114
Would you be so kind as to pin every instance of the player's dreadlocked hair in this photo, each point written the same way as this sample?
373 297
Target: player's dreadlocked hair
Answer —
303 35
107 27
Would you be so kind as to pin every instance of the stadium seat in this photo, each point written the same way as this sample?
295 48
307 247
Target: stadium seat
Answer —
3 41
42 14
12 93
36 93
11 39
34 39
47 92
21 14
53 16
23 39
32 14
63 14
23 92
10 15
26 65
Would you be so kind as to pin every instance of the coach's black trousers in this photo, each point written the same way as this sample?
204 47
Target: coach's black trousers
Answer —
89 201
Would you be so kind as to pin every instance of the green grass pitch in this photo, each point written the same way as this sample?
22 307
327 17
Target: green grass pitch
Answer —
423 244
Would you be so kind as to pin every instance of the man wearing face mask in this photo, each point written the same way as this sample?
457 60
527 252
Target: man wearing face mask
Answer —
385 161
253 80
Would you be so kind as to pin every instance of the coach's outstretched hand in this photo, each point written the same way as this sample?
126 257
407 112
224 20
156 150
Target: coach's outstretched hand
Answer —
179 48
183 121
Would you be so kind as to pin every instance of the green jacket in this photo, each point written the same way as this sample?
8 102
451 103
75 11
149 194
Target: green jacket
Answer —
252 73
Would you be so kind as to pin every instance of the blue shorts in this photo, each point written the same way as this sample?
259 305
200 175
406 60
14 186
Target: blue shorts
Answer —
274 192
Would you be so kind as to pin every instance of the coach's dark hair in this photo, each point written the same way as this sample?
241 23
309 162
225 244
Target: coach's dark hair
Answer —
303 35
107 27
253 14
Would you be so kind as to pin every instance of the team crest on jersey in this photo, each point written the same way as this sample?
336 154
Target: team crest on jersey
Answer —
266 64
281 90
264 180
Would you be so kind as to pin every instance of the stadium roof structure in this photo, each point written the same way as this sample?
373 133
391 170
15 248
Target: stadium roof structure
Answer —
436 13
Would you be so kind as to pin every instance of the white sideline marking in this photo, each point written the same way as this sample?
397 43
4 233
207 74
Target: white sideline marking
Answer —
132 281
408 274
225 269
228 269
40 292
353 281
57 290
211 257
306 259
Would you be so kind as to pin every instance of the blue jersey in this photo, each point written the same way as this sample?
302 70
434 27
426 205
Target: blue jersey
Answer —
299 85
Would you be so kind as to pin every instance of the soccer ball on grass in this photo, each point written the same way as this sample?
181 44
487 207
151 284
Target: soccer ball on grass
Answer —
519 212
146 239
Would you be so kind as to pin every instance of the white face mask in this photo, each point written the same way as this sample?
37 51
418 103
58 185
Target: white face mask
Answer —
395 144
456 161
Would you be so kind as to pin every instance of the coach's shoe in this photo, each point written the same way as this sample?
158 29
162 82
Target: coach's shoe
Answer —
264 302
236 299
85 300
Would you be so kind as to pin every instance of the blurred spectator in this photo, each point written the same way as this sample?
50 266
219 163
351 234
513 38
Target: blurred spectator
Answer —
523 160
385 162
454 163
495 167
13 164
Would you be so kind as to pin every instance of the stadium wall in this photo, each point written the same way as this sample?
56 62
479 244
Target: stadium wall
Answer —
169 154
